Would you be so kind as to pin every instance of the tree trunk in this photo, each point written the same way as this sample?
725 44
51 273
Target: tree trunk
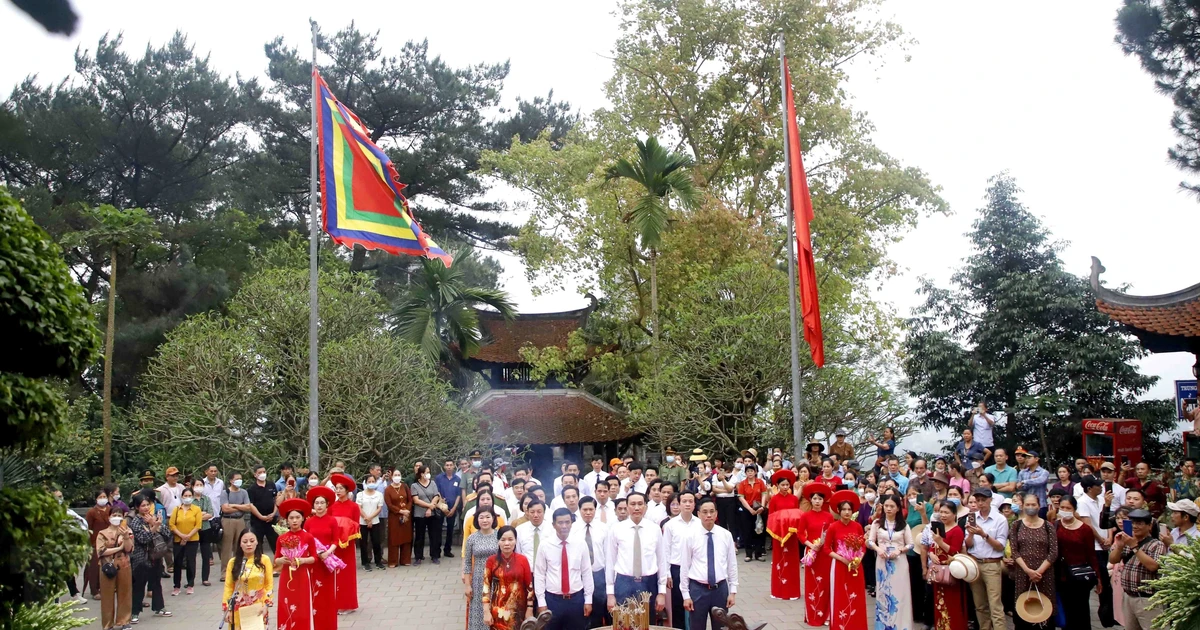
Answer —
109 329
1042 434
654 293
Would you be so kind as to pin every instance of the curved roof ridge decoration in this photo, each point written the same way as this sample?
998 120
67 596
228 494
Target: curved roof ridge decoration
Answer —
1117 298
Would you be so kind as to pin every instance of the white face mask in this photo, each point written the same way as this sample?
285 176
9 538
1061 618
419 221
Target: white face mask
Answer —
114 520
1066 516
237 483
397 479
739 465
116 497
869 497
188 500
976 464
426 476
261 476
101 502
670 459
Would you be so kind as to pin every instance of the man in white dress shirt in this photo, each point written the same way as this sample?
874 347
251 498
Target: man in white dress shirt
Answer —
634 482
656 512
708 567
675 532
985 542
606 509
562 577
596 477
635 562
533 533
569 499
594 535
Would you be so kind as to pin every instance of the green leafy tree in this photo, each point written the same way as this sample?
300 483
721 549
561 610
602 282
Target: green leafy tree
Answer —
50 335
1023 334
1160 33
233 388
114 230
657 173
438 313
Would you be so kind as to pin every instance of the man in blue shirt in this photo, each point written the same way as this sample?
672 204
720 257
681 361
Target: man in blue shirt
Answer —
287 470
1033 478
448 485
1005 475
893 464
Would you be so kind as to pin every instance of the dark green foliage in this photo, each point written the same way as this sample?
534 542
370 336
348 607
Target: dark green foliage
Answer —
40 545
42 313
1162 34
1020 332
48 332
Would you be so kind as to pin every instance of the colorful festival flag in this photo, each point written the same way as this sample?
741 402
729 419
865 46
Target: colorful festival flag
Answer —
361 194
802 211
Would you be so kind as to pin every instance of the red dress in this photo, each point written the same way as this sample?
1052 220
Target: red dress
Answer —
783 524
833 482
816 575
294 588
346 591
849 587
324 582
949 602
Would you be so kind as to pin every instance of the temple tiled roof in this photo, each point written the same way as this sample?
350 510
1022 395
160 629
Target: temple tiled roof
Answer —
1163 323
549 416
503 340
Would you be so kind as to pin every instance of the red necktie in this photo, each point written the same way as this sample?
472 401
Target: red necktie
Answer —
566 575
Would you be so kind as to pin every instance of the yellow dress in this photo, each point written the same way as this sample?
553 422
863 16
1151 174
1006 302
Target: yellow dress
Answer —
253 587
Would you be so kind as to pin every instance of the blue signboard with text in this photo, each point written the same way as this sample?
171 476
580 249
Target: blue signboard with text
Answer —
1185 398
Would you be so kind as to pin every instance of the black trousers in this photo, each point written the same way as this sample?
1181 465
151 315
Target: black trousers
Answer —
265 532
727 516
677 611
1075 597
451 523
704 601
208 539
868 565
371 543
566 612
431 525
922 610
754 544
600 617
185 556
147 577
1105 612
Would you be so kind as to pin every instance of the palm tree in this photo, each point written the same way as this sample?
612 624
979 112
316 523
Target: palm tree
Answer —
660 172
438 313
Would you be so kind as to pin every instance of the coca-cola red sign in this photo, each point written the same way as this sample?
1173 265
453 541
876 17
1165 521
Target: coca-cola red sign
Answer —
1129 429
1097 425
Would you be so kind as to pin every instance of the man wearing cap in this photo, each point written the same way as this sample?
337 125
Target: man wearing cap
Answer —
170 494
673 471
985 542
1033 478
1183 517
1091 511
1140 553
840 447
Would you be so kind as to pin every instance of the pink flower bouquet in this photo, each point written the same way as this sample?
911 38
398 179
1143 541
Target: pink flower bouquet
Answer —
332 562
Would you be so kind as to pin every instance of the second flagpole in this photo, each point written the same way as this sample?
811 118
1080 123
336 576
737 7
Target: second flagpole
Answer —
314 430
793 307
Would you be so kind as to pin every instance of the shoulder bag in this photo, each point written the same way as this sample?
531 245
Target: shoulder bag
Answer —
940 574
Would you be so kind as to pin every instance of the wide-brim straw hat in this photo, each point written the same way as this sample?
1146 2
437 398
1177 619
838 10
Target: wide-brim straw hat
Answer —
698 455
964 567
1034 607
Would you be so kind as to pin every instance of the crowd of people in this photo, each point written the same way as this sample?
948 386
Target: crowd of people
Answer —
586 542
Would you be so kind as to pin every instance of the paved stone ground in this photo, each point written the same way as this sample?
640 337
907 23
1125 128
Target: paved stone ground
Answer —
430 597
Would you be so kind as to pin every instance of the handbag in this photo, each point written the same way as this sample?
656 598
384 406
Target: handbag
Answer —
160 547
1082 573
940 574
109 569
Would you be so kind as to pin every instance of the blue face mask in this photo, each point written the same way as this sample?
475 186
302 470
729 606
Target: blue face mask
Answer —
954 501
849 483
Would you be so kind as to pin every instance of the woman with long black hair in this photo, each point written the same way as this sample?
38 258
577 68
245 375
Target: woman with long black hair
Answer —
248 584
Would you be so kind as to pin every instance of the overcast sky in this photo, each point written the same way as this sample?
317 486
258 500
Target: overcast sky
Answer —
1035 88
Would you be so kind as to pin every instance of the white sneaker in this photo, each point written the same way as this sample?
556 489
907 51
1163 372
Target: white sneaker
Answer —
79 599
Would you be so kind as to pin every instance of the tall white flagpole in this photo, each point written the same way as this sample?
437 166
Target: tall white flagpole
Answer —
314 431
793 307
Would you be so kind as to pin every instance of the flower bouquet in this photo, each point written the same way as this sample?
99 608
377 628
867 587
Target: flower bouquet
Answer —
332 562
292 549
808 558
852 549
280 528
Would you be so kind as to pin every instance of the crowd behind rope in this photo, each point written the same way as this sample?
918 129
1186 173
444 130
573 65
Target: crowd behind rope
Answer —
584 542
